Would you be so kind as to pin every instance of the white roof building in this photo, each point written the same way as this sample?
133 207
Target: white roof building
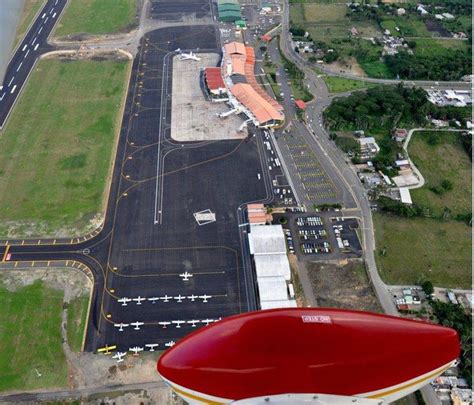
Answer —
272 266
267 240
278 304
272 289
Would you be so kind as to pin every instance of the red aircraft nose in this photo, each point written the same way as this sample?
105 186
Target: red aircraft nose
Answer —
307 350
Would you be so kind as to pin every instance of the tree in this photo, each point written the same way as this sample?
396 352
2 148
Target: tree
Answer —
427 287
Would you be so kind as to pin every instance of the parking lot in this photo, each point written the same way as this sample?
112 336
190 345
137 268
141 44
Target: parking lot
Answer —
321 235
319 187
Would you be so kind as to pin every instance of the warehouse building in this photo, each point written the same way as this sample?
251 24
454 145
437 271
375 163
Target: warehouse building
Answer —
229 10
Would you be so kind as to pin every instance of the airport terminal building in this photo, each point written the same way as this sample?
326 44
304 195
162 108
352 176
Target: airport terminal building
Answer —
238 86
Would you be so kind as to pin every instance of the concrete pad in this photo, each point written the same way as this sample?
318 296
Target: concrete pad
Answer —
193 118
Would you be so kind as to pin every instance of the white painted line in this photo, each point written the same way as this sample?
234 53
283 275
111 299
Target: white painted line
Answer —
44 15
13 89
54 15
11 81
36 47
51 12
3 95
34 40
23 50
26 54
39 31
56 2
19 66
45 21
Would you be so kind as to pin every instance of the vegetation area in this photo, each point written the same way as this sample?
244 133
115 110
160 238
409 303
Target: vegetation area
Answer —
341 85
30 8
31 354
353 35
446 168
381 109
56 149
454 316
413 249
76 321
96 17
296 76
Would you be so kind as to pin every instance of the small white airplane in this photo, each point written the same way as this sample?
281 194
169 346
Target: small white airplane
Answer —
153 299
135 350
139 300
166 298
151 346
124 301
137 325
119 356
164 324
178 323
193 322
121 326
188 56
171 343
205 297
185 276
179 298
192 297
208 321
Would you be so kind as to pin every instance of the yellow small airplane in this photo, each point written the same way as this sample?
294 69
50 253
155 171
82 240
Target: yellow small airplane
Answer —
107 349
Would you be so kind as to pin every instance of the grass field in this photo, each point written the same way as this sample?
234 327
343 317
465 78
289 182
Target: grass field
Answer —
30 8
341 85
439 47
96 17
410 249
30 338
410 26
76 320
57 148
445 160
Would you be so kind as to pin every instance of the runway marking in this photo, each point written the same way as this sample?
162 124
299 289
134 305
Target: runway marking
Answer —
24 47
39 31
11 81
26 54
13 89
3 95
205 217
36 47
19 66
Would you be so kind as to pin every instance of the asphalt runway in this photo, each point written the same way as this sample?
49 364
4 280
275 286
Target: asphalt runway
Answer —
22 62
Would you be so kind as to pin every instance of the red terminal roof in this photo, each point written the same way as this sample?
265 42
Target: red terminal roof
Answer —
300 104
306 350
266 38
214 78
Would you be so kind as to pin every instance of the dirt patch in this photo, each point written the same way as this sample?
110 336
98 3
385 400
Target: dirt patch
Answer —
342 285
349 66
73 282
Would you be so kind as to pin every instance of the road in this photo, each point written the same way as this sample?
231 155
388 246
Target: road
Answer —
34 44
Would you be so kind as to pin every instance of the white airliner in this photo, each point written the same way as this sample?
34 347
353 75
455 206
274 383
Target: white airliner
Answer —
188 56
171 343
137 325
153 299
121 326
164 324
124 301
179 298
192 297
208 321
185 276
139 300
178 323
135 350
166 298
119 356
193 322
151 346
205 297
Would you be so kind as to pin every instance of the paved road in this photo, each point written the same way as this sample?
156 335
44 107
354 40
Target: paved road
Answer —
27 53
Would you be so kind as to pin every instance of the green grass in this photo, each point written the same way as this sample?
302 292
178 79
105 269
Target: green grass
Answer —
341 85
96 17
30 8
410 26
57 148
377 69
417 248
76 321
30 338
446 160
439 47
